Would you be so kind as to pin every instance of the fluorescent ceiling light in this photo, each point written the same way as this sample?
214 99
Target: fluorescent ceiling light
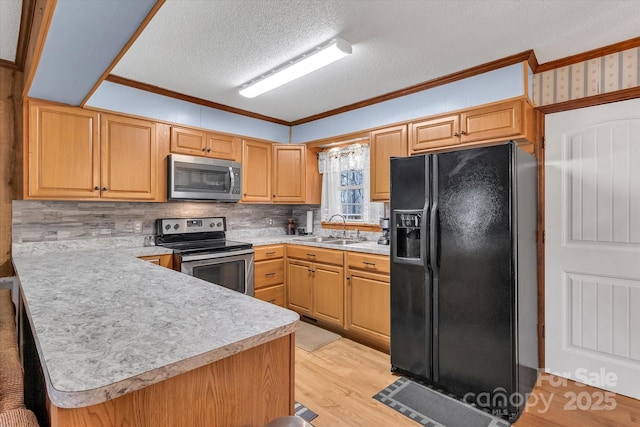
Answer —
317 58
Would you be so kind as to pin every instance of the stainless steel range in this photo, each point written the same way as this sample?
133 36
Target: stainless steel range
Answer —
201 250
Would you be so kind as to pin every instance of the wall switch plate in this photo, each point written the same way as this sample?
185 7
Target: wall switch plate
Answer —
137 226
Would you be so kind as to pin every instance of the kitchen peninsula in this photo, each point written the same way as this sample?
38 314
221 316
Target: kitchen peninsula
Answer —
122 341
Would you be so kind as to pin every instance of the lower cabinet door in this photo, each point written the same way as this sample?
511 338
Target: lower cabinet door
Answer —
300 289
273 294
368 305
328 283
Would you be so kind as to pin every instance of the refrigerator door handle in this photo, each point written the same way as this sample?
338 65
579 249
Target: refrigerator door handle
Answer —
434 249
424 223
434 237
434 217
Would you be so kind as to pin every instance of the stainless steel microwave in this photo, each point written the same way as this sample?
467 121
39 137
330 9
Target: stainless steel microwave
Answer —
200 178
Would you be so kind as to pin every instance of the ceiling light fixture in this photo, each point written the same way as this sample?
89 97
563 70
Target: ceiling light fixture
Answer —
316 58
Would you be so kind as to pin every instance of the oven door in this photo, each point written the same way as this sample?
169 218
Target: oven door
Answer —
233 270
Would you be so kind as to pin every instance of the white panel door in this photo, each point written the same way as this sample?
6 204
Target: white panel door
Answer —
592 283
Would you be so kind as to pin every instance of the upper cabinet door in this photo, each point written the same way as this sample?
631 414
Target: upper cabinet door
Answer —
441 131
64 153
221 146
129 158
501 120
289 173
256 171
188 141
385 143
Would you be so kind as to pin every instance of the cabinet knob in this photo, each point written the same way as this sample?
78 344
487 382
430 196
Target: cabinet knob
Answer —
96 188
245 194
456 134
209 150
105 189
463 132
273 195
204 149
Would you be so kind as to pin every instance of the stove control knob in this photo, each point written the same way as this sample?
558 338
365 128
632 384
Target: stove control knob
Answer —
212 224
175 227
167 227
219 224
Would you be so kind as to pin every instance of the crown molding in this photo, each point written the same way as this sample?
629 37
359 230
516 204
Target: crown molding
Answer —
592 54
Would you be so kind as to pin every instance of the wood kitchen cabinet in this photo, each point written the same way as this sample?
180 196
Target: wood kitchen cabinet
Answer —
269 274
440 131
129 158
63 158
165 260
368 306
289 173
315 283
79 154
494 122
256 171
385 143
197 142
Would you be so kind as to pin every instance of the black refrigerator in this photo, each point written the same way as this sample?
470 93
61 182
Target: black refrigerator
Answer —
463 274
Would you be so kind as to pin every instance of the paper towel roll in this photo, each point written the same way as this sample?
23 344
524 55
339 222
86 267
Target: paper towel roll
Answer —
309 222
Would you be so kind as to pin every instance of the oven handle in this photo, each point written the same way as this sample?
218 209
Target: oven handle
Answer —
197 257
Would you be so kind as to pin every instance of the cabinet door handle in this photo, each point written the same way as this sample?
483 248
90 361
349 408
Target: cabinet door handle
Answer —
208 149
273 195
270 253
456 134
270 274
105 189
96 188
311 254
311 271
204 149
463 132
272 301
372 264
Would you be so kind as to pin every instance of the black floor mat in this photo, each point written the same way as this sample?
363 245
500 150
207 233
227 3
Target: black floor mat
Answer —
430 408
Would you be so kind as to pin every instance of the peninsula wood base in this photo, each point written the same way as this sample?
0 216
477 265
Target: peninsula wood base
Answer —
250 388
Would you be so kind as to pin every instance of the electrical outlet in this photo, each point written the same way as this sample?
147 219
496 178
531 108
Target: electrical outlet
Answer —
137 227
269 221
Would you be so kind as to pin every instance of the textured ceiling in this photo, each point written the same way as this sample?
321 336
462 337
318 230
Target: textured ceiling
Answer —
10 12
208 49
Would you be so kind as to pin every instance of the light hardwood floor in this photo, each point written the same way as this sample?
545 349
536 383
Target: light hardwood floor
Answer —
338 381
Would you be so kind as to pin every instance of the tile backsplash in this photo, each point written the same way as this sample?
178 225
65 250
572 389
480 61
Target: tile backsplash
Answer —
37 221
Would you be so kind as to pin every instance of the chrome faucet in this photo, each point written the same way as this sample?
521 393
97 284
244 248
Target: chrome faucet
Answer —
344 224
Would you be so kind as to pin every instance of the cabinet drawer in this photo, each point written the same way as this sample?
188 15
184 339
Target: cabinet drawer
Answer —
268 252
274 295
368 262
314 254
269 273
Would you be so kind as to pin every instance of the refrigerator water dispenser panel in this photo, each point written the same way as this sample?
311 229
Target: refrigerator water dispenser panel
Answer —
408 232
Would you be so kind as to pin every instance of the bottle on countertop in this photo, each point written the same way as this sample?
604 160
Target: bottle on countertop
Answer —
291 226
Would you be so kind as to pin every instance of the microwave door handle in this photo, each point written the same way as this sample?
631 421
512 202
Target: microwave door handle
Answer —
232 180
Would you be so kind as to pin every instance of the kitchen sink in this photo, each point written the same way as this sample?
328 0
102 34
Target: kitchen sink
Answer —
318 239
342 242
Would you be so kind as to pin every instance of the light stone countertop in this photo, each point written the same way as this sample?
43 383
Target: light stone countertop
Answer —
106 323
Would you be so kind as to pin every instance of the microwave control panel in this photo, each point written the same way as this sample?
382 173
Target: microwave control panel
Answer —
191 225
